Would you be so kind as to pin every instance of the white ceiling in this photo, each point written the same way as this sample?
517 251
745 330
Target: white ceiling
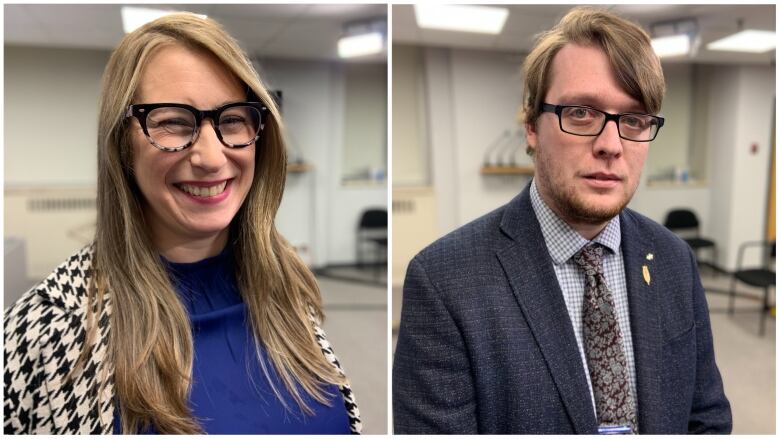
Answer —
525 21
270 30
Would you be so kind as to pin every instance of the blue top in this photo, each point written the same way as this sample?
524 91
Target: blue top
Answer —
230 394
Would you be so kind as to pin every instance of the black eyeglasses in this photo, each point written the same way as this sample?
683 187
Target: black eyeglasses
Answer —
587 121
174 127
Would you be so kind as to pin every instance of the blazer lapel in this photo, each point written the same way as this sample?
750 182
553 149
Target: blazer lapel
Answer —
529 268
638 251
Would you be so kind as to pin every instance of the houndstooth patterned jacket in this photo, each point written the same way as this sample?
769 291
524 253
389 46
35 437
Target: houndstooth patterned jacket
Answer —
44 333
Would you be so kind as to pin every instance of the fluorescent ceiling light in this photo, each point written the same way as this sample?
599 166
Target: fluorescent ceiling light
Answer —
134 17
674 45
360 45
753 41
464 18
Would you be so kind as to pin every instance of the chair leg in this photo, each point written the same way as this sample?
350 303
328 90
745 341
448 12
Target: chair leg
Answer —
764 311
378 268
732 292
715 271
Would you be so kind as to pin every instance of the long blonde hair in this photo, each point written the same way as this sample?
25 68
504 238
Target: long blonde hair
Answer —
151 341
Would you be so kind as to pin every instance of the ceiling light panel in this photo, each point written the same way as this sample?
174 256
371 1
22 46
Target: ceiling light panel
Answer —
749 40
361 45
674 45
461 18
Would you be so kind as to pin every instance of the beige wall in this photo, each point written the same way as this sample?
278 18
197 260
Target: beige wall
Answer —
414 226
51 99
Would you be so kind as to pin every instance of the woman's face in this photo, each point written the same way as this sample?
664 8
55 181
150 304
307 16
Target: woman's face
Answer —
192 195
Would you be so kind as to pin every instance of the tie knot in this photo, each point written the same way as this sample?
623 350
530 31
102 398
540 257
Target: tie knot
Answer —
589 258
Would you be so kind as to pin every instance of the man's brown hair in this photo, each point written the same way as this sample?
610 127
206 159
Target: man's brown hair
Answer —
637 67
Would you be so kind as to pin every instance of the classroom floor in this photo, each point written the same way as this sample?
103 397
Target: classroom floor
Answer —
356 325
746 361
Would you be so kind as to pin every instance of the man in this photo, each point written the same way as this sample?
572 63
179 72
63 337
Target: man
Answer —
562 312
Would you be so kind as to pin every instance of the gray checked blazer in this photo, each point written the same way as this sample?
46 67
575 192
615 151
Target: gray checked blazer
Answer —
44 333
486 344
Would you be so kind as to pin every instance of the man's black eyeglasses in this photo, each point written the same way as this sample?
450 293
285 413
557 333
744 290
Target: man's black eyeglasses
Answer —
587 121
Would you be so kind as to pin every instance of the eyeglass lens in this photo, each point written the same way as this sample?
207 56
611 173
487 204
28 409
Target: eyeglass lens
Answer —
589 122
174 127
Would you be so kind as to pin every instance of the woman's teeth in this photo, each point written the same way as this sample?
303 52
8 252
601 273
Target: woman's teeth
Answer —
200 191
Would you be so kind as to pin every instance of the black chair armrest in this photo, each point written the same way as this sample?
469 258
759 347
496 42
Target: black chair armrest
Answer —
746 245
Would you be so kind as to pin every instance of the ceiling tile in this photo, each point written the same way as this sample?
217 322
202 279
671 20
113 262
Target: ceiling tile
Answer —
292 31
526 21
21 26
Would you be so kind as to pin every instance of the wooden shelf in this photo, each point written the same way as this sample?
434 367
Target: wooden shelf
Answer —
297 168
507 170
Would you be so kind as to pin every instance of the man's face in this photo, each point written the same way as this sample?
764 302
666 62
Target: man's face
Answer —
585 180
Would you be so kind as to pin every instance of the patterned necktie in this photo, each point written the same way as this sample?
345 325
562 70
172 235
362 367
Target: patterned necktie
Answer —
604 345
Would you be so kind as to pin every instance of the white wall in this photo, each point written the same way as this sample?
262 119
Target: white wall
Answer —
670 148
365 125
751 115
54 92
309 104
441 139
410 153
51 99
485 94
314 111
721 132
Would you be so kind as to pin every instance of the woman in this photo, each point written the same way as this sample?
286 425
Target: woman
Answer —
189 313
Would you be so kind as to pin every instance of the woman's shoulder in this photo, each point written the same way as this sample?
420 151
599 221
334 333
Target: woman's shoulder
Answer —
44 333
63 291
353 413
65 287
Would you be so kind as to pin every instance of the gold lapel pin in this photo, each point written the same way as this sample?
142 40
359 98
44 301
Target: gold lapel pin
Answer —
646 274
649 256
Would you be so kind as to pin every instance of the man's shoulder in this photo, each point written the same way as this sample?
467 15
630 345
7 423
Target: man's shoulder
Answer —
642 226
482 230
472 248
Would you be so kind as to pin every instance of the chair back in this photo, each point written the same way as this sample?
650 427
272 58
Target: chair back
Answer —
373 219
681 219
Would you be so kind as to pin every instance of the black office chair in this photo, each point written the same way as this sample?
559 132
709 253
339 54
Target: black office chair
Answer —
685 223
372 229
762 277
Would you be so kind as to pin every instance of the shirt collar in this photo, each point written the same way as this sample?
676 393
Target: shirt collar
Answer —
562 241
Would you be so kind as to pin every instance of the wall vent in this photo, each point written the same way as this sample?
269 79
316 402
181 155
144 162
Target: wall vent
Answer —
59 204
403 206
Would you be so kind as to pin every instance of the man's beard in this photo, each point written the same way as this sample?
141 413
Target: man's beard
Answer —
573 206
567 202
